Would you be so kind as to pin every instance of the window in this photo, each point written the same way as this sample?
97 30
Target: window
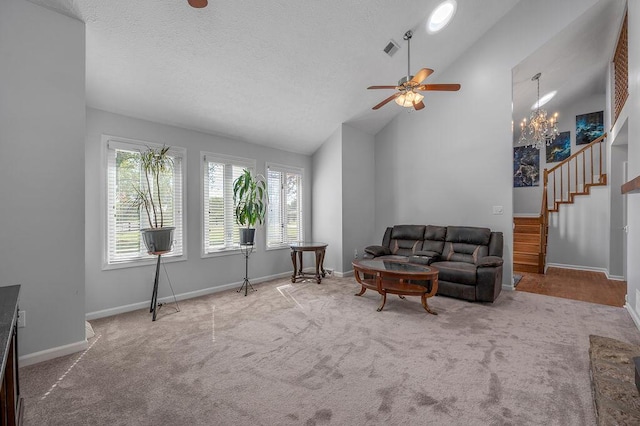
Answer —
220 228
124 219
284 216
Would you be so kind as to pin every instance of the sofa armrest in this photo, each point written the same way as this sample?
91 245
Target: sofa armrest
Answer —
376 251
489 261
424 257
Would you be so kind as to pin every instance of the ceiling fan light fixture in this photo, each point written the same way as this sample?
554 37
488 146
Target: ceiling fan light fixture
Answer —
441 16
409 98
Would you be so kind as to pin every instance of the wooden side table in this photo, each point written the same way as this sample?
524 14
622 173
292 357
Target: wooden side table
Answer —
297 249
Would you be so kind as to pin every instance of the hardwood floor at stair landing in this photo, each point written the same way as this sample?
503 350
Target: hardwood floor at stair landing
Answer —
587 286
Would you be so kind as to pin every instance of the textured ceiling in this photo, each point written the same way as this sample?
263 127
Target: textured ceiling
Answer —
282 73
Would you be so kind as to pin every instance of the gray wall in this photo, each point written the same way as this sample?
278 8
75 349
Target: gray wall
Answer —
632 115
109 290
451 162
327 199
358 194
42 119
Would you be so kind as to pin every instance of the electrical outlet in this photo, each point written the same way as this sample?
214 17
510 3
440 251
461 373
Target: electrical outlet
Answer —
355 254
498 210
22 319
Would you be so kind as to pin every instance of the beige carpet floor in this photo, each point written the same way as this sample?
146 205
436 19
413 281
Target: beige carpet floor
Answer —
307 354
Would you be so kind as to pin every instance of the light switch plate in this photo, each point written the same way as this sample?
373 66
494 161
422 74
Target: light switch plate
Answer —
498 210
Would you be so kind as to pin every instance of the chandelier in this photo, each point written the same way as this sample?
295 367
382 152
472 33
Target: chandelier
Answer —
539 131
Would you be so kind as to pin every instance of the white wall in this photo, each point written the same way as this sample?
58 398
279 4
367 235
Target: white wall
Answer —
107 290
358 194
451 162
327 199
632 114
619 155
42 119
528 200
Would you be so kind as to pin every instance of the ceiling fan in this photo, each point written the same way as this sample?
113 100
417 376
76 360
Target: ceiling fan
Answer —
409 86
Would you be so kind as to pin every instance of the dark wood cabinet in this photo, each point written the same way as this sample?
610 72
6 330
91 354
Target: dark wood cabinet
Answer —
10 400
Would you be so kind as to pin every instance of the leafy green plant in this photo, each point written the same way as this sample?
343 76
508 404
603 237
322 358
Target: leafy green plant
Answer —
154 163
249 199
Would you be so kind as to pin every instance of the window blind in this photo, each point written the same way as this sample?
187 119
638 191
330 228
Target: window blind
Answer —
221 232
124 219
284 216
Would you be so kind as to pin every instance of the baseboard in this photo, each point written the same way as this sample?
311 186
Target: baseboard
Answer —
343 274
52 353
182 296
615 277
605 271
634 315
509 287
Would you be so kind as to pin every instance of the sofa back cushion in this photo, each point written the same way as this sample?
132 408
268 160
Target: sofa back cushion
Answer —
434 238
466 244
406 239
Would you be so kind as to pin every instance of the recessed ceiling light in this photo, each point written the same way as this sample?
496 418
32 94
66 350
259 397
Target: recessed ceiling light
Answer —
543 100
441 16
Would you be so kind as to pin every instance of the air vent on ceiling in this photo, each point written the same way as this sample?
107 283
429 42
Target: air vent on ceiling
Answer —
391 48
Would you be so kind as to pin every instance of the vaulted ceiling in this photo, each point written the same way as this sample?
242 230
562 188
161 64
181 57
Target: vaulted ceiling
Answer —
282 73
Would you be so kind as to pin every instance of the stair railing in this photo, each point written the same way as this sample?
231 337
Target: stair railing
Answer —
572 176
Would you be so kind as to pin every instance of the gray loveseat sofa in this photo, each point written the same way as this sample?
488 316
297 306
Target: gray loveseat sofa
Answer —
469 258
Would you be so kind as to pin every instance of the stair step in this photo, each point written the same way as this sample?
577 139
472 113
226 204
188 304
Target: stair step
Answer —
526 238
526 247
522 267
518 220
528 258
527 229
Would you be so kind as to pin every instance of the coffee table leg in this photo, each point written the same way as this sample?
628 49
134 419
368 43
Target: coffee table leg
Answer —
383 301
426 306
358 278
318 261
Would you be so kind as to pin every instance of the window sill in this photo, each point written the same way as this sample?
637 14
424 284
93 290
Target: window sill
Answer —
282 247
142 262
221 253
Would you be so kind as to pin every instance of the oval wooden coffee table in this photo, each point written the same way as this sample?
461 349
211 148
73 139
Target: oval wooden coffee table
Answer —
393 277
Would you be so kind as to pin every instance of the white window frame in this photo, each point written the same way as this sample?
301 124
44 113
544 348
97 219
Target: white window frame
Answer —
229 160
114 142
285 169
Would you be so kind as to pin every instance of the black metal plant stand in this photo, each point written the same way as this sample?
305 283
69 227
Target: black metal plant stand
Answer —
246 249
154 296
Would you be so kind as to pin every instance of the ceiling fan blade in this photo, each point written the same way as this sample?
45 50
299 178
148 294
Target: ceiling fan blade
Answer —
418 106
444 87
422 74
382 87
389 99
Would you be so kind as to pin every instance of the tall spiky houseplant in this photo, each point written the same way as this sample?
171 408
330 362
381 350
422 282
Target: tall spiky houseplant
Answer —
249 199
154 162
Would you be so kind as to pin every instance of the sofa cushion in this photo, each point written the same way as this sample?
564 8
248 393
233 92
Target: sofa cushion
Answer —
469 235
434 237
466 244
456 272
408 232
406 239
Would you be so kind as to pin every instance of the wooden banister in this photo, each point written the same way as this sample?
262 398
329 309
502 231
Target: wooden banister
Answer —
600 139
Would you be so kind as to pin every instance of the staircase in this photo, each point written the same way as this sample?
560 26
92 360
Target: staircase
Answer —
562 183
527 245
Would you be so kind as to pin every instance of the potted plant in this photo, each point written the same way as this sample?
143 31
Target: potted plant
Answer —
154 162
249 199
